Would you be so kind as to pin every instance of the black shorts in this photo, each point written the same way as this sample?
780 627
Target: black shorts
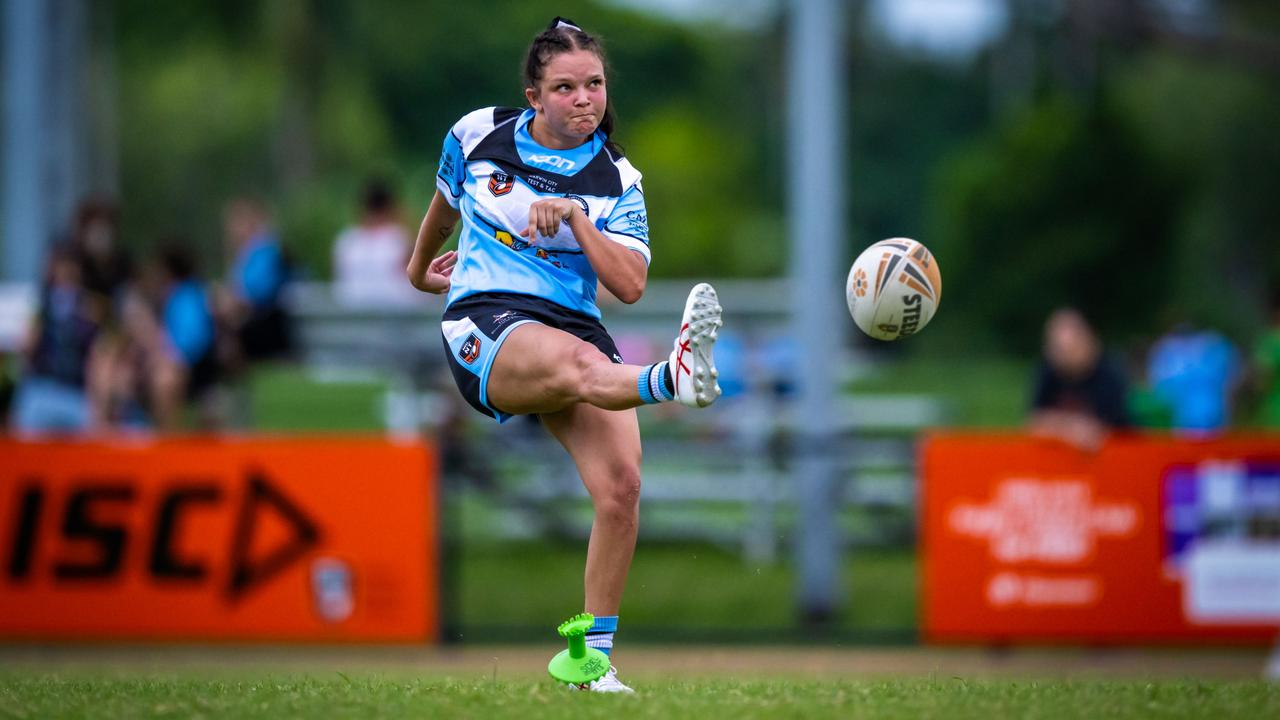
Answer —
475 327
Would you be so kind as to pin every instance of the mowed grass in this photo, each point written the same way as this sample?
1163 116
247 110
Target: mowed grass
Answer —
337 695
975 392
509 590
285 398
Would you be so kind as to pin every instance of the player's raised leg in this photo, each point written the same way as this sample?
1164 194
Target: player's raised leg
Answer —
540 369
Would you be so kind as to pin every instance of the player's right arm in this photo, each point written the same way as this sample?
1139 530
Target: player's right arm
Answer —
427 272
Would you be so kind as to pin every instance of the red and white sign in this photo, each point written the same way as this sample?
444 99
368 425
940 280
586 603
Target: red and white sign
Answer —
1029 539
323 539
1050 520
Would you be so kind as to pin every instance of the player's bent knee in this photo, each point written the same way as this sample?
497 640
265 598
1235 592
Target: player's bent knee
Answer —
618 500
580 378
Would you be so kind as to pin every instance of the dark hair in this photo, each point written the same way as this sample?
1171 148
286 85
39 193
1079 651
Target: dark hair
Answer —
92 210
177 259
63 252
377 196
563 35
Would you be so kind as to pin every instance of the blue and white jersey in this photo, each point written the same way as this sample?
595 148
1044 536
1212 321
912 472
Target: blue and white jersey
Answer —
492 171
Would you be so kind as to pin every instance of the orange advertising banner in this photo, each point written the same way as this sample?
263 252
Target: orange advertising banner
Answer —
323 539
1151 539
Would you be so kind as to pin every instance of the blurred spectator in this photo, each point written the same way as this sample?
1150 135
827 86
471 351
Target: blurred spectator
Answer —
252 307
369 257
105 266
1267 359
6 397
1194 372
51 395
1080 392
189 367
773 363
6 392
164 355
121 365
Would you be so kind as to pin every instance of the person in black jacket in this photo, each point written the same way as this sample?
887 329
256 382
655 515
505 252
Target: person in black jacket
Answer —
1080 392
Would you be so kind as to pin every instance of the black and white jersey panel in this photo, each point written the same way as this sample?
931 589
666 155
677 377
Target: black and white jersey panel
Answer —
492 171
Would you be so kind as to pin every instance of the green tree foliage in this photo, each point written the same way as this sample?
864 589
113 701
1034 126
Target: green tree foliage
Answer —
1141 190
905 116
1216 125
299 102
1062 205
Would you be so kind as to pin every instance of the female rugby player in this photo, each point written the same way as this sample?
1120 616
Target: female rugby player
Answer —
549 206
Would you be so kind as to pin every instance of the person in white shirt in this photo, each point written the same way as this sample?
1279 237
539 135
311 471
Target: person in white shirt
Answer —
369 257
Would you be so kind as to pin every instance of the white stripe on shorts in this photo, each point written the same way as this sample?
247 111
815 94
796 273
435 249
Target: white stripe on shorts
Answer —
454 329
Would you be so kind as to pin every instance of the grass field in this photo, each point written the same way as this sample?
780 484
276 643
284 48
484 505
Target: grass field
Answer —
671 682
365 697
507 590
980 392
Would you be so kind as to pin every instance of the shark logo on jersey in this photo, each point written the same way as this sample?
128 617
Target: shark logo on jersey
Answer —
500 183
554 161
511 241
582 203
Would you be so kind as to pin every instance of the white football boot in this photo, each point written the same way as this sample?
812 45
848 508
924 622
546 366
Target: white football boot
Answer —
691 364
608 683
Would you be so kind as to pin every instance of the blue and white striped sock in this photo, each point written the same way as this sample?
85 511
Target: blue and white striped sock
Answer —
654 384
600 636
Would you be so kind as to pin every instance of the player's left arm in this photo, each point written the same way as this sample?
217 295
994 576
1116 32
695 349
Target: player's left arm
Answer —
621 269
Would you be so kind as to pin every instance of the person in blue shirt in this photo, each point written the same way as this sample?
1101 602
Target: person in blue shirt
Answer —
550 207
161 355
1195 372
259 271
186 318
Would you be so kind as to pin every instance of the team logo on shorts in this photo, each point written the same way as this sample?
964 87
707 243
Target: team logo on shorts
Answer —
500 183
470 349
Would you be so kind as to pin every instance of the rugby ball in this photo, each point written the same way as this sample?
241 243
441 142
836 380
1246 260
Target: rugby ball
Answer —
893 289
